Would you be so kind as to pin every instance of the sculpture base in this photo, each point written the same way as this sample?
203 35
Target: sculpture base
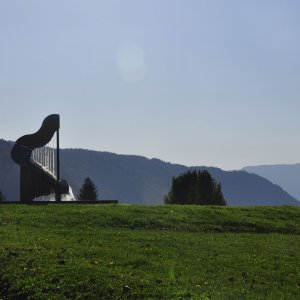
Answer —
63 202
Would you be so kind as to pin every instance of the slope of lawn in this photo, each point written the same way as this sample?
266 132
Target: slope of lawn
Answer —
149 252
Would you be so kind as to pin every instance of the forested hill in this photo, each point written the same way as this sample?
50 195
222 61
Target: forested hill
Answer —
136 179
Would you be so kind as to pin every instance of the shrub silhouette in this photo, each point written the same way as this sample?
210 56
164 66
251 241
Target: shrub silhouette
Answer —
2 198
195 187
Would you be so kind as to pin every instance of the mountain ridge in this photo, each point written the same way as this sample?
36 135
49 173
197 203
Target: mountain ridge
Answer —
285 175
140 180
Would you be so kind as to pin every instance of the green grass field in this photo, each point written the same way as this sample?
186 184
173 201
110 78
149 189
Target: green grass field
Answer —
149 252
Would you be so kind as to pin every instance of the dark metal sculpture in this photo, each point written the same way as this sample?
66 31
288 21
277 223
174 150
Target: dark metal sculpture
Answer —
36 180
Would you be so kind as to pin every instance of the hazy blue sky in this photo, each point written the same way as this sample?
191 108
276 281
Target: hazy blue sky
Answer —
194 82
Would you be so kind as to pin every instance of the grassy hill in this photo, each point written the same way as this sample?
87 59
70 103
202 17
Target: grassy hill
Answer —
157 252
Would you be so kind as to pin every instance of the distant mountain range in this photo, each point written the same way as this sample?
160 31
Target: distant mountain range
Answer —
285 175
136 179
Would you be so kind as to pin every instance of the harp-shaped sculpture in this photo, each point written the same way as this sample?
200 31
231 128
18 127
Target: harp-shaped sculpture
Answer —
38 157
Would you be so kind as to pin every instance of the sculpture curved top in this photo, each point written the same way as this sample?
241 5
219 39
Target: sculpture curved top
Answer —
36 179
43 136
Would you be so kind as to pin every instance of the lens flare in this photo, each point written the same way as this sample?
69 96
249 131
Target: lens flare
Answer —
131 63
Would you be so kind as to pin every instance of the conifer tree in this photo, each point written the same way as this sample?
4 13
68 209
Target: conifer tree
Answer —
88 191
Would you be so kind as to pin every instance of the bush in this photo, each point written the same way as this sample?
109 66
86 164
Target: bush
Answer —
195 187
2 198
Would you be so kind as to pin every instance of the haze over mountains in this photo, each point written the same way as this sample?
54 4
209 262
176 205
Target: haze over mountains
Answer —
136 179
285 175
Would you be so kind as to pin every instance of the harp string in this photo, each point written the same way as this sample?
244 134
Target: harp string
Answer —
46 157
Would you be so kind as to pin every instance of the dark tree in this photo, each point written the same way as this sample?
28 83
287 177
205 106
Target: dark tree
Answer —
88 190
2 198
195 187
